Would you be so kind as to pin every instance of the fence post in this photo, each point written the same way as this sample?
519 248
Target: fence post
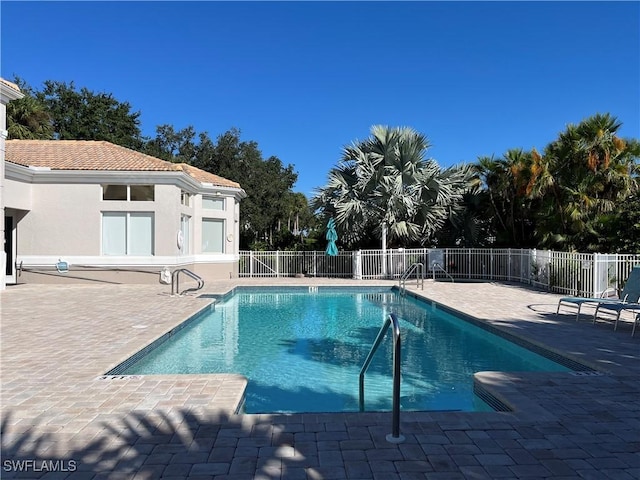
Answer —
390 269
533 260
357 268
425 259
383 262
315 273
445 260
508 264
491 264
596 275
251 264
277 263
549 261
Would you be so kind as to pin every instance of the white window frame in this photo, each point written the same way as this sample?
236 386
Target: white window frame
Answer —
128 187
214 199
128 240
204 246
185 232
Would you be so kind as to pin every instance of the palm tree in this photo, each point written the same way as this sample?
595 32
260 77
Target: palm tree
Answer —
473 226
29 119
386 187
508 182
582 176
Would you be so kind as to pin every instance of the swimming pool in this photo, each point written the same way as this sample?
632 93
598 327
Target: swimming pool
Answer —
302 348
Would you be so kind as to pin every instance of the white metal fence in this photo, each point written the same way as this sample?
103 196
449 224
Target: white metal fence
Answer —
583 274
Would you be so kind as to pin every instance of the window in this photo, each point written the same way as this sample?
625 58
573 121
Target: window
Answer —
134 193
212 235
213 203
114 192
185 198
141 193
127 233
185 222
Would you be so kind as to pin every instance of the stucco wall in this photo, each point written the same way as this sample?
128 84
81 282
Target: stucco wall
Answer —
63 220
128 275
17 195
66 219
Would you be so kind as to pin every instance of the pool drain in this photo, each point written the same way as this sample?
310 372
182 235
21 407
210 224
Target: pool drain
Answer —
119 377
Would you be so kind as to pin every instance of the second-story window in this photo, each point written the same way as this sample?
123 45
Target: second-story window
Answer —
141 193
132 193
213 203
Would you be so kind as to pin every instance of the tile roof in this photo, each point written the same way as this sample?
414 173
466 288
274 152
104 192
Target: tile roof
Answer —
10 84
98 155
206 177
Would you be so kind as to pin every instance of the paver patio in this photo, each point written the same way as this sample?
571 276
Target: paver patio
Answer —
62 418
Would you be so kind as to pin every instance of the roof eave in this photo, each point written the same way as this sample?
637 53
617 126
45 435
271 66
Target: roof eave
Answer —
17 172
208 188
8 93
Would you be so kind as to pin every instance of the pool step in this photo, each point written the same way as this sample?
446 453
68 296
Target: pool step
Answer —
411 315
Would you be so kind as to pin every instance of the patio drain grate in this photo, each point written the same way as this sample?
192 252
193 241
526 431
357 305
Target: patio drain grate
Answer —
119 377
587 373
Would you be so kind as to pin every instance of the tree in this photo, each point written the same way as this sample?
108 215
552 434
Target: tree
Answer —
582 176
299 214
473 226
27 117
507 196
621 229
86 115
171 145
268 183
385 185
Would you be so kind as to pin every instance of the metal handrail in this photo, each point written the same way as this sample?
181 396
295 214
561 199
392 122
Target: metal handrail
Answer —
433 270
419 269
394 436
175 281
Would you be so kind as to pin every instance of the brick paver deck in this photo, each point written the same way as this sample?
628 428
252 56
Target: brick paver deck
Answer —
61 418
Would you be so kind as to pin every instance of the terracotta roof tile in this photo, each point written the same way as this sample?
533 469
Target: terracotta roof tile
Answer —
98 155
10 84
206 177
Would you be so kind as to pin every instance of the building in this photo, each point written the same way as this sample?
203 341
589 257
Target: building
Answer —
87 211
8 92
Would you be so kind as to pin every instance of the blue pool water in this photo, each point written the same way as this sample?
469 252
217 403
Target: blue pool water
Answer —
302 351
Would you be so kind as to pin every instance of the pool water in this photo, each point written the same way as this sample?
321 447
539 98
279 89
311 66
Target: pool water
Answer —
302 351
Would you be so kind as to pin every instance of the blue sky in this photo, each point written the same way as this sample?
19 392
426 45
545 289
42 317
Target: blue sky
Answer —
304 79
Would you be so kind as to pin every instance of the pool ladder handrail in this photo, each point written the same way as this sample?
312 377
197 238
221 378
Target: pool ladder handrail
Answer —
394 436
418 268
175 281
435 265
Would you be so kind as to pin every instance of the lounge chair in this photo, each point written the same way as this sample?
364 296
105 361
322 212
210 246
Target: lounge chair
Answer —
619 308
629 294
